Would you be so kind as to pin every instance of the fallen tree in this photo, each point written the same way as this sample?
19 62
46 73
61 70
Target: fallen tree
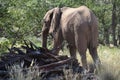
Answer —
43 58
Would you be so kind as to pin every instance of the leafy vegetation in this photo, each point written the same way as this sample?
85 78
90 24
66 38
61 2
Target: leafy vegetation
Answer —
19 19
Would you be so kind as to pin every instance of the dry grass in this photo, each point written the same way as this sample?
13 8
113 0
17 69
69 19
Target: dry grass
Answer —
110 63
17 72
110 57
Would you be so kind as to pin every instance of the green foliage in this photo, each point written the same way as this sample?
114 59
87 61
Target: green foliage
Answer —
20 19
4 43
24 18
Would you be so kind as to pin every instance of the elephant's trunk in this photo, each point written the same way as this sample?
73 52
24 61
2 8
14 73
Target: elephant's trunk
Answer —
44 37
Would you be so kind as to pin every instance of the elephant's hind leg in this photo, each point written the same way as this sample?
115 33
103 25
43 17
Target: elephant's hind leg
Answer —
83 57
82 48
95 57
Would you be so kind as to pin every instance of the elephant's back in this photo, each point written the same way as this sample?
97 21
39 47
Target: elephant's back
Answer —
67 12
80 12
74 16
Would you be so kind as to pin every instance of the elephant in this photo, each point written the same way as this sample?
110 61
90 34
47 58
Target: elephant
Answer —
46 29
77 26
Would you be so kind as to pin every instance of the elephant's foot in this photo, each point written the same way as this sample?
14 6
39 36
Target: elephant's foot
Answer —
91 68
98 65
85 71
95 68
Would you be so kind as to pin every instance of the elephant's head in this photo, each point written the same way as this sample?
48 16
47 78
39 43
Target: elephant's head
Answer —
51 20
55 20
46 26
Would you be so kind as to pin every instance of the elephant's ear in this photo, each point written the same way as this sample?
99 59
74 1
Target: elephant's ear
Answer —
55 20
46 26
48 18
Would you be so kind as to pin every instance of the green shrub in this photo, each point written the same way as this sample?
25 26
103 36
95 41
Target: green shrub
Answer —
4 42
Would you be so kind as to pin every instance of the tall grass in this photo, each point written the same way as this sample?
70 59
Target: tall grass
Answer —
17 72
110 57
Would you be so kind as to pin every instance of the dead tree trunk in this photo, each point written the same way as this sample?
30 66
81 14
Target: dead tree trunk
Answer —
114 23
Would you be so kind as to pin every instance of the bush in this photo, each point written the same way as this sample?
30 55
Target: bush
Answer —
4 42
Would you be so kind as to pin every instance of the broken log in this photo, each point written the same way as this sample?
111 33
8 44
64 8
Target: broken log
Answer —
55 64
41 57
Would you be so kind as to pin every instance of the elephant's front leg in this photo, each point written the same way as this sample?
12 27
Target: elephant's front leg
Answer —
72 49
57 42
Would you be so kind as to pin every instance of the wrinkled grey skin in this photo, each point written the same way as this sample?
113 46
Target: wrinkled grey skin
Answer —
78 26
